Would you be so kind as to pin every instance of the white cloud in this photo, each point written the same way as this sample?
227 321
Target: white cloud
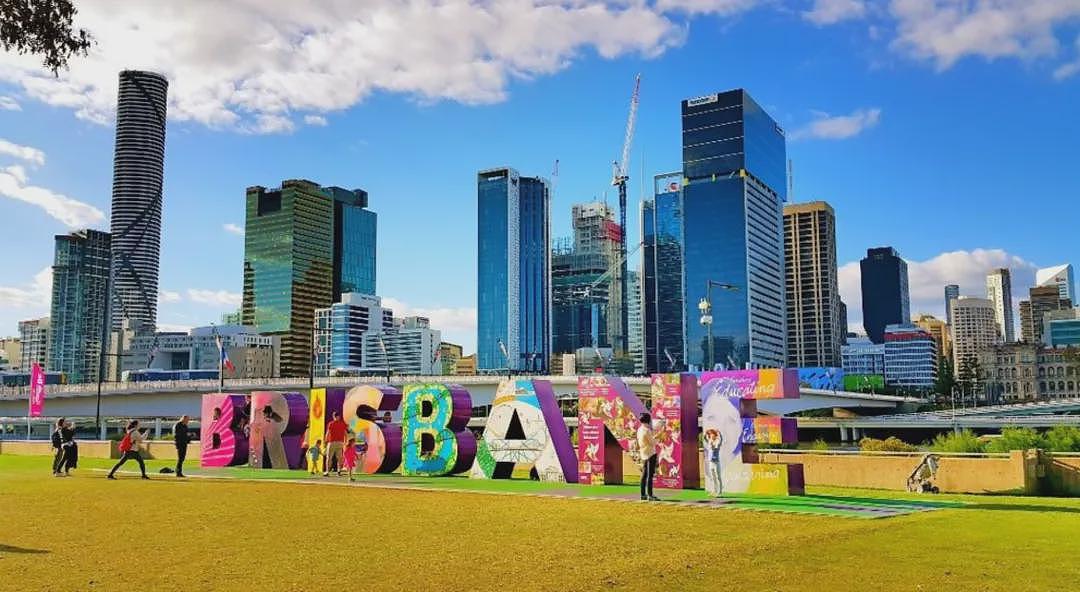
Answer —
838 127
457 325
73 213
317 57
35 296
27 153
723 7
927 280
945 31
1071 68
9 104
828 12
167 297
214 297
318 120
233 229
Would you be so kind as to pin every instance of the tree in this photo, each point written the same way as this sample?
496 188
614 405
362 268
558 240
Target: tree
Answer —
44 28
946 381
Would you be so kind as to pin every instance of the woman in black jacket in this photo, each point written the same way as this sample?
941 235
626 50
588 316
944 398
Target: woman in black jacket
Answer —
57 444
71 447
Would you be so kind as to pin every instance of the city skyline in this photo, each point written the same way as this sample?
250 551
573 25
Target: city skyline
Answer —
208 167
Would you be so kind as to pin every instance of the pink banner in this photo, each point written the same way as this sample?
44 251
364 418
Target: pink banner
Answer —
37 390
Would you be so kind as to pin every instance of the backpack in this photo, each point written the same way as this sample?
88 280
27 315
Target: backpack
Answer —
125 443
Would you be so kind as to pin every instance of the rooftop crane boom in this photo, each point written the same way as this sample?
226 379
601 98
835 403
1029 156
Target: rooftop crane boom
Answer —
620 168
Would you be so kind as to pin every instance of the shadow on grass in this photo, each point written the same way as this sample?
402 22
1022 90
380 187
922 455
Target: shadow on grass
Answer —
875 501
1021 508
22 550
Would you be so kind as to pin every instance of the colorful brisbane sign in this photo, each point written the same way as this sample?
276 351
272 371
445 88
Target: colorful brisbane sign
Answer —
525 428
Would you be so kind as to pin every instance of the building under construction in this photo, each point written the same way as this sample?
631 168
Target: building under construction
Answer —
585 289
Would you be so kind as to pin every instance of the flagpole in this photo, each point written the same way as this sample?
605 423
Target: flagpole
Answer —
221 364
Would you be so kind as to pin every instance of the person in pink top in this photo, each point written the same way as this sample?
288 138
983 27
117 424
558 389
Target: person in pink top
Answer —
349 457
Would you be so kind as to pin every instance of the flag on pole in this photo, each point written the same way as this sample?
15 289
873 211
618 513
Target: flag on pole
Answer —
37 391
226 363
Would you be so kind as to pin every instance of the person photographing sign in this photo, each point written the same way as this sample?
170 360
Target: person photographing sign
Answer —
129 449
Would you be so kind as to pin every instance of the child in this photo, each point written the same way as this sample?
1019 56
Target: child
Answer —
348 457
714 483
313 457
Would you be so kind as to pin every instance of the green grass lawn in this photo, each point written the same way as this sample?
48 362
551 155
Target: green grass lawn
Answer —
85 532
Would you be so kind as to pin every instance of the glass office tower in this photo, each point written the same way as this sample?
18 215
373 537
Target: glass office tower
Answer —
734 186
662 277
513 271
354 242
884 291
79 304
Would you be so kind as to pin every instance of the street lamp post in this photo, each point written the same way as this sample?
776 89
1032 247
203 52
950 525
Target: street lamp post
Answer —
705 308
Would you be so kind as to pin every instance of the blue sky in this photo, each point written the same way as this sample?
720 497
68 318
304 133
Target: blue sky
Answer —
944 129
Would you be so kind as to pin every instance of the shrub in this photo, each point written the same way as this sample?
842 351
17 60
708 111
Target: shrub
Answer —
1063 439
890 444
819 444
962 441
1013 438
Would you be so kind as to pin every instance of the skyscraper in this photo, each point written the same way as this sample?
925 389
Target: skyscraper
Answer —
302 245
884 291
734 186
355 229
513 275
34 339
999 291
79 304
1060 276
973 329
583 285
340 329
1041 300
662 275
135 225
952 292
813 294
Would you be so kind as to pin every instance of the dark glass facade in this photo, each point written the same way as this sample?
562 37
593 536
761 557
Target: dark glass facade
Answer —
354 242
288 266
734 186
662 282
579 301
513 271
79 299
884 292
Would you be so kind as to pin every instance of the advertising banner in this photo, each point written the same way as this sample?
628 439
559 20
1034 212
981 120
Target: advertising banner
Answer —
37 390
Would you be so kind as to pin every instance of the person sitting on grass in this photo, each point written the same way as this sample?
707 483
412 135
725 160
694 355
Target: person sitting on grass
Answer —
314 453
348 457
129 449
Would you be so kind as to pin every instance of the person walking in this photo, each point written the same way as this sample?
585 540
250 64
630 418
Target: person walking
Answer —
181 438
129 449
57 444
314 453
336 432
71 448
646 441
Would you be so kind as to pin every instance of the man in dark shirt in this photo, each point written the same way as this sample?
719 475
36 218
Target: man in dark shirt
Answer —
181 438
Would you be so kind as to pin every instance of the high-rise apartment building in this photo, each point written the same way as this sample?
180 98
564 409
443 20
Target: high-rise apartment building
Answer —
884 291
135 225
813 294
513 271
999 291
80 300
910 357
1060 276
952 292
303 243
973 328
340 328
734 186
1041 300
34 340
939 331
662 276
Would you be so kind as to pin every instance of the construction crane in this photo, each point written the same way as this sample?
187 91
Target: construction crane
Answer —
619 177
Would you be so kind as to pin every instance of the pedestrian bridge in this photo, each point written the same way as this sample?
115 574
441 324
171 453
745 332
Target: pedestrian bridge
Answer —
173 398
